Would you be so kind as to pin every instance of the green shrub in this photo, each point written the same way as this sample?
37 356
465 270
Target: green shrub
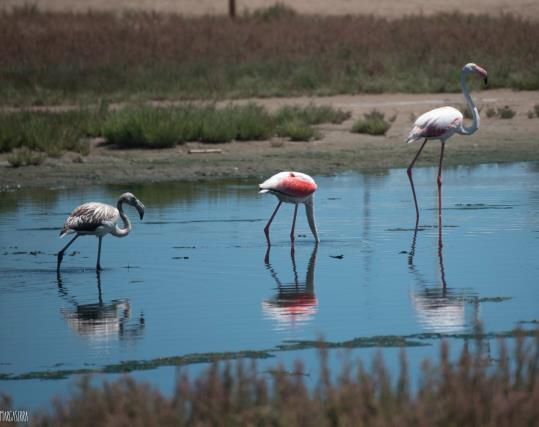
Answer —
372 123
51 133
311 114
25 157
491 112
506 112
252 121
297 130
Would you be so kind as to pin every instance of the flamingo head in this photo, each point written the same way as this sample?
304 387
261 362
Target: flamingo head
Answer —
130 199
474 68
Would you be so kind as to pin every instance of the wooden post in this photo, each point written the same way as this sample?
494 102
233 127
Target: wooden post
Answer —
232 8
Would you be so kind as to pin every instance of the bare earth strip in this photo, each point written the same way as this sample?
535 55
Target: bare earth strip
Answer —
387 8
498 140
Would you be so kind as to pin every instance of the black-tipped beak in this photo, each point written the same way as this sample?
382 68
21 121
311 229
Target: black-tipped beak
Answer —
140 209
486 80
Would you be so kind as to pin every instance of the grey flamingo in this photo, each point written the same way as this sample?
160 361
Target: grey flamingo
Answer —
99 219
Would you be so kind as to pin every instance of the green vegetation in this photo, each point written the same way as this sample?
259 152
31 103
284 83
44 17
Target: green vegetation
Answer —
54 58
373 123
470 389
506 112
150 127
25 157
297 130
50 133
382 341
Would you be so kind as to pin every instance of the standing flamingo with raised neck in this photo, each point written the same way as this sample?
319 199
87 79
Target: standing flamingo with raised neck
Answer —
442 123
99 219
295 188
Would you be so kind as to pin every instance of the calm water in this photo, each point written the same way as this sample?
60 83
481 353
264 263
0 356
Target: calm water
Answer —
194 276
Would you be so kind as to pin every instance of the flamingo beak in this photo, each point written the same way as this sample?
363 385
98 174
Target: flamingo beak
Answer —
140 208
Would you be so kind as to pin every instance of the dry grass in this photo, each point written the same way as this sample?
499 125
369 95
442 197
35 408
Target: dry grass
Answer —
57 57
471 390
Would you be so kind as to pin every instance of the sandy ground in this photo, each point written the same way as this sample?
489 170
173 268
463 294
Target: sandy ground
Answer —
388 8
498 140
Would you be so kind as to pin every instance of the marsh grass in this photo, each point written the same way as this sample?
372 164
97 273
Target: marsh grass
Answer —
25 157
297 130
64 57
143 126
506 112
491 112
469 389
50 133
372 123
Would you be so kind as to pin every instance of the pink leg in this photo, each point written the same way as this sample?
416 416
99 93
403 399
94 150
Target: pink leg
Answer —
439 180
267 227
409 171
293 224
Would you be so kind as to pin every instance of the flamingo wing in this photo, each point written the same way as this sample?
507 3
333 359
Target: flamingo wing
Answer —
295 184
88 217
436 124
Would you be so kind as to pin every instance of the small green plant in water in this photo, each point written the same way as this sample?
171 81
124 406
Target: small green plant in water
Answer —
372 123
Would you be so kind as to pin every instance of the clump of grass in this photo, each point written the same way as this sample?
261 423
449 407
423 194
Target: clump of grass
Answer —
372 123
297 130
469 390
274 12
491 112
312 114
534 113
50 133
25 157
506 112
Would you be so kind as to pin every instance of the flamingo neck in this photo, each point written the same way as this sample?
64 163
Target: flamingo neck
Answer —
475 114
309 210
122 232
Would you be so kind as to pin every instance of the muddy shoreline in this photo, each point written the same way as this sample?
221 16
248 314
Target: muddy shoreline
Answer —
498 140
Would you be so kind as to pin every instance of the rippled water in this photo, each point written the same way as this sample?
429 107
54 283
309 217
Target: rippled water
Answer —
195 277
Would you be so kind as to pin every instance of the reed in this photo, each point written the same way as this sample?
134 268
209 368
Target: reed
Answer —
468 390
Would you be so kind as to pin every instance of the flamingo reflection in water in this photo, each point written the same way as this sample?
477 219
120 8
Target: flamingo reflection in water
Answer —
440 308
100 321
294 302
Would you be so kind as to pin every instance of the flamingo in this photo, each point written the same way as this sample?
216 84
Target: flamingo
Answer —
295 188
99 219
441 123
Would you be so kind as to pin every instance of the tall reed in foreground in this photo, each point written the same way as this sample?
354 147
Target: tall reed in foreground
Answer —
471 390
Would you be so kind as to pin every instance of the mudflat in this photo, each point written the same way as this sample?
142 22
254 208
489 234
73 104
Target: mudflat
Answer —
338 150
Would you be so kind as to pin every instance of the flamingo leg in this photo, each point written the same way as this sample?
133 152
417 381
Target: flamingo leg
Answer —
98 266
267 227
409 171
439 180
61 253
292 238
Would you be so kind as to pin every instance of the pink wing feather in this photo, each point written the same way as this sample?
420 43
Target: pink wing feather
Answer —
437 123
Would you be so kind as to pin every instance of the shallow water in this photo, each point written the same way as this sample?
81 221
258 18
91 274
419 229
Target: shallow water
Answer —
194 277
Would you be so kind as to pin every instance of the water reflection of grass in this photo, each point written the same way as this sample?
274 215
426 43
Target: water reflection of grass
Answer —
469 389
381 341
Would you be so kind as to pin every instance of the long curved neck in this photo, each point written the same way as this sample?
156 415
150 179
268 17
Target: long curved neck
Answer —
475 124
122 232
